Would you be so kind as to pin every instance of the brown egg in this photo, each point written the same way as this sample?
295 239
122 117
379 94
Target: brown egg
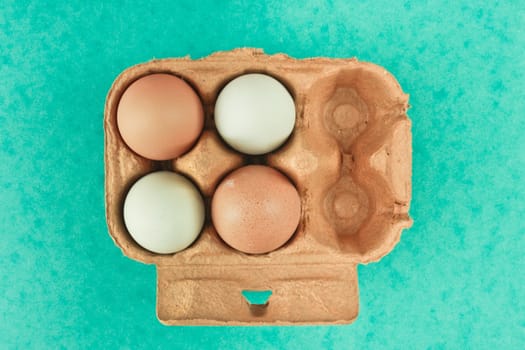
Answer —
256 209
160 116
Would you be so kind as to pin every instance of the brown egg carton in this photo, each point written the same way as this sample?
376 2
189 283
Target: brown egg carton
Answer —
349 156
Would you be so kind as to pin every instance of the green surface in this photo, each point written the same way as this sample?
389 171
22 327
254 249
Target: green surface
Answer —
454 280
256 297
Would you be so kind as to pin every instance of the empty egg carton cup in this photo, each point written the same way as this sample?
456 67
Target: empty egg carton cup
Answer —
349 156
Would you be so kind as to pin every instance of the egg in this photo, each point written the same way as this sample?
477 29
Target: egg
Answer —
254 114
164 212
256 209
159 116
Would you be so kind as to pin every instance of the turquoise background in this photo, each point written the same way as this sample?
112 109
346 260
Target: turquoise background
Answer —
454 280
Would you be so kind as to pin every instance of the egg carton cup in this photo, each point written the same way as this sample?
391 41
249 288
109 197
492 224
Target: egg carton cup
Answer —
349 156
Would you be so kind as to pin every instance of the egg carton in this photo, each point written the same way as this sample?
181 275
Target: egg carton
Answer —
350 157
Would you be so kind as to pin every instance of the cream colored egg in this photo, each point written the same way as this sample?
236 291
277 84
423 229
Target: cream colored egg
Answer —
255 114
164 212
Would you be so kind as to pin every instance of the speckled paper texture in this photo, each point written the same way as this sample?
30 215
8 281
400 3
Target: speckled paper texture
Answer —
350 157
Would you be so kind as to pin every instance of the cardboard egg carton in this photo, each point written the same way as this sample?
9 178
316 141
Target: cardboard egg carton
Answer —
349 157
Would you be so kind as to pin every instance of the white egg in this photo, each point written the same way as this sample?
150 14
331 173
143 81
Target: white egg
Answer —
164 212
255 114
